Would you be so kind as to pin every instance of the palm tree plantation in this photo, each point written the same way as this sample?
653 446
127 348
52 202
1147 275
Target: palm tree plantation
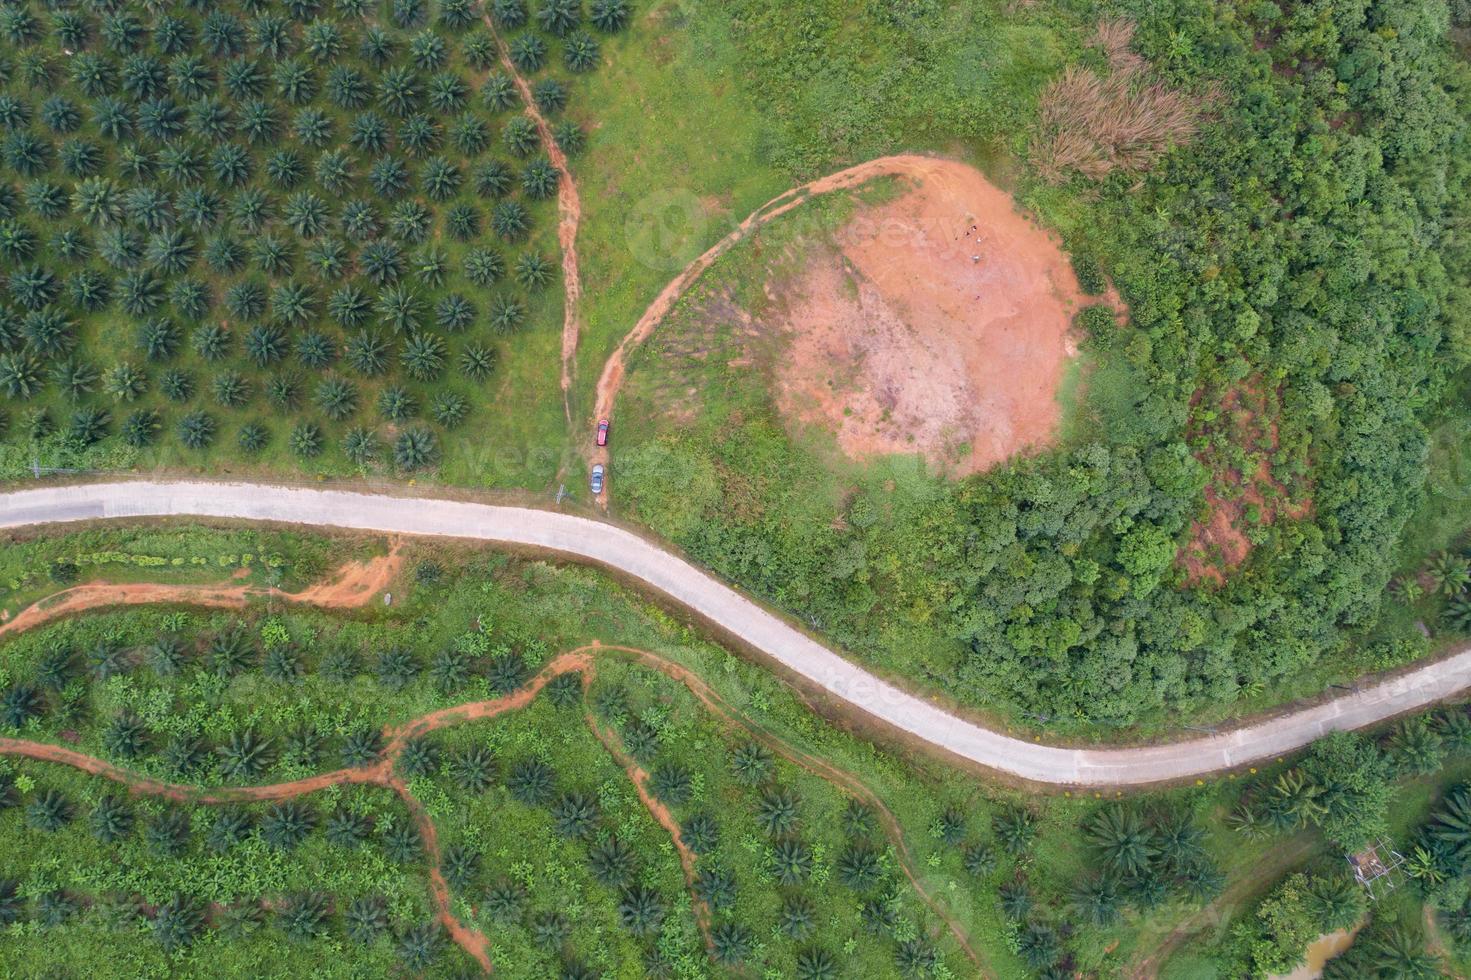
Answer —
805 489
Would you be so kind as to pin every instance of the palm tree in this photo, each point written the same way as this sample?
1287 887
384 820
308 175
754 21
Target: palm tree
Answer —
815 963
349 306
580 52
533 270
859 866
196 430
460 865
1457 613
184 754
168 834
245 756
531 781
305 915
415 448
177 922
612 862
791 860
672 783
54 908
1248 821
510 14
1039 945
731 943
1015 899
752 764
1401 955
56 670
20 375
1294 801
125 736
858 818
1449 572
287 824
520 136
419 945
979 860
641 910
505 902
11 903
418 758
777 811
306 440
458 15
477 363
360 446
229 828
347 88
362 747
252 437
1450 825
447 93
111 820
484 266
569 136
565 690
575 814
327 258
401 842
1097 900
396 668
1415 748
1454 727
540 178
367 918
50 811
367 354
1125 841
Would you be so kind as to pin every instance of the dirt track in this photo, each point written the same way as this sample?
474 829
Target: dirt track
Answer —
354 585
580 661
569 211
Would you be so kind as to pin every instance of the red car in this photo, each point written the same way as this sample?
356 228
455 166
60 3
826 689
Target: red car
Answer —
603 432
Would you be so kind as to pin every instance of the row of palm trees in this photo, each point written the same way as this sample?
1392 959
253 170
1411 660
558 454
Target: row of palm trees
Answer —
129 73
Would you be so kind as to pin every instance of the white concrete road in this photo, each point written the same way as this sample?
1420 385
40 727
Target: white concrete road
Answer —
677 580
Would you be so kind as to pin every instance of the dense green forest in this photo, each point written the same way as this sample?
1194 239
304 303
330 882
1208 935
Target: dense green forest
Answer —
1306 248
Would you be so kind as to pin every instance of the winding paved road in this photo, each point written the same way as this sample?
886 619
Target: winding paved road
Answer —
603 544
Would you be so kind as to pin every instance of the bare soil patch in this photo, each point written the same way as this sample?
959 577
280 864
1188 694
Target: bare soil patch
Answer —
1236 437
938 323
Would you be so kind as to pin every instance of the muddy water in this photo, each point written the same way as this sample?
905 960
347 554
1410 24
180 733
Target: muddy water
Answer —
1320 951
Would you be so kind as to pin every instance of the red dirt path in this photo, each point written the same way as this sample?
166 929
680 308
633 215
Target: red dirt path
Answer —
580 660
354 585
569 211
662 817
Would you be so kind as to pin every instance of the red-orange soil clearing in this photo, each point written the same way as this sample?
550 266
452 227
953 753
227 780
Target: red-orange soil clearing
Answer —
1244 418
939 325
354 585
